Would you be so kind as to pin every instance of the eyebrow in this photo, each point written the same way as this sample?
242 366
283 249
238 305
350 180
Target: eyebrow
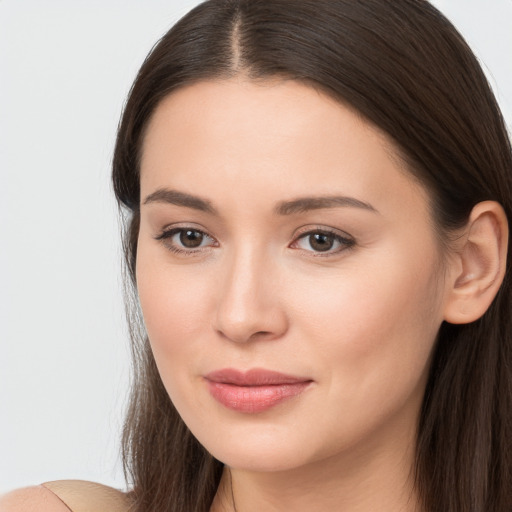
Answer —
164 195
299 205
304 204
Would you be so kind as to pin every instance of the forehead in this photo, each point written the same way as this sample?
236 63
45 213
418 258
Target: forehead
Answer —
237 111
281 137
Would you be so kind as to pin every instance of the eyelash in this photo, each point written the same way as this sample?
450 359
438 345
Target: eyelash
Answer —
345 242
168 234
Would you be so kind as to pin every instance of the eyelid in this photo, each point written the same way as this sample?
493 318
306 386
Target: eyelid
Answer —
169 232
345 240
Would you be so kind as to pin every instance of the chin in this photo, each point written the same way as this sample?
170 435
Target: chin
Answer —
259 448
261 459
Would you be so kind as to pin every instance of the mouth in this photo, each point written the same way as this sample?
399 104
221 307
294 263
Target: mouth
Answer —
254 391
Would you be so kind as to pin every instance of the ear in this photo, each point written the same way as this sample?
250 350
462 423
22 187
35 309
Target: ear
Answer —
478 267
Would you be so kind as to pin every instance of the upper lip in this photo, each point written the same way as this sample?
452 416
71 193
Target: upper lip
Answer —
253 377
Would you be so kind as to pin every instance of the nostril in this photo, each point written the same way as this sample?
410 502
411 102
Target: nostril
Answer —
261 334
244 336
244 314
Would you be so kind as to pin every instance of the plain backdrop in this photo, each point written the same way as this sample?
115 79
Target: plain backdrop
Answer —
65 70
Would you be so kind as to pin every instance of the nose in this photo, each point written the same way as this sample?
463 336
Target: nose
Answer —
249 304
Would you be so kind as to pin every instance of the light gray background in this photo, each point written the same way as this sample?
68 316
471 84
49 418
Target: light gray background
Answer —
65 69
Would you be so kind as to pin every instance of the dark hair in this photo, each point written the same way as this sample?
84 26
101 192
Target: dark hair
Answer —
407 70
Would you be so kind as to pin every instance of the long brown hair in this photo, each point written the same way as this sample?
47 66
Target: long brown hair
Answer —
407 70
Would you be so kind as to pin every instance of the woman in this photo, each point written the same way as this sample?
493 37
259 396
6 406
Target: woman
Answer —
317 198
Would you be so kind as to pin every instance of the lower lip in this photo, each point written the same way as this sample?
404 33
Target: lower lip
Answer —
254 399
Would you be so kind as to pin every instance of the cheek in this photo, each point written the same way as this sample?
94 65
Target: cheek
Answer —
174 303
374 329
173 306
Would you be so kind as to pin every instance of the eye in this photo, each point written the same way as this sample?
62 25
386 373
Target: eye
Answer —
185 240
324 241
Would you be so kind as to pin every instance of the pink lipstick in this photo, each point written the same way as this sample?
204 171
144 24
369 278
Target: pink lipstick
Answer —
255 390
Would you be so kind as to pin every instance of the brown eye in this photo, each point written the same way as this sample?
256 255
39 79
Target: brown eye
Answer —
321 242
186 240
190 238
324 242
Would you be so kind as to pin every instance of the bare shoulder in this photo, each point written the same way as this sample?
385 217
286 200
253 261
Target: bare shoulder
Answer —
85 496
66 496
31 499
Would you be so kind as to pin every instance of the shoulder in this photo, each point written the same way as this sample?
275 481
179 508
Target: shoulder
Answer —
66 496
31 499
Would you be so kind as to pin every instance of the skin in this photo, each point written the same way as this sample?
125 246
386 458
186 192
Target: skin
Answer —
359 320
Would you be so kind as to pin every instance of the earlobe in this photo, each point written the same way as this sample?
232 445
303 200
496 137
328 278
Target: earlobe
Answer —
479 266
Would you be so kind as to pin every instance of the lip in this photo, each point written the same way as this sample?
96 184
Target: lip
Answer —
253 391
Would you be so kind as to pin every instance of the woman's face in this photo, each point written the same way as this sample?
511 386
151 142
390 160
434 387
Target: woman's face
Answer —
288 273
